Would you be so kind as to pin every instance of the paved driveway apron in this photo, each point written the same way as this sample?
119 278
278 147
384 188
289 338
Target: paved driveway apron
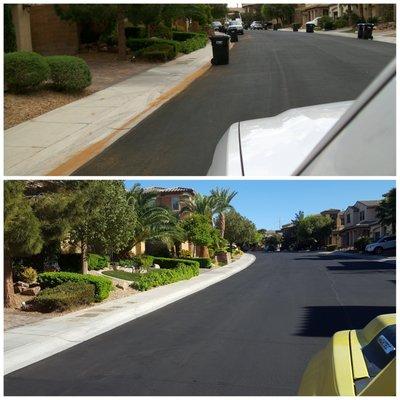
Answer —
269 72
252 334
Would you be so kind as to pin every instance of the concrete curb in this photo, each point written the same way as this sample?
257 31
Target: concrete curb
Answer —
390 259
31 343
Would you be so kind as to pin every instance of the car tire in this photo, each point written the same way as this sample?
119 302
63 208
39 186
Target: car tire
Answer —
378 251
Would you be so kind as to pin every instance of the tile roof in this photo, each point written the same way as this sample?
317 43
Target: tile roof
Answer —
169 190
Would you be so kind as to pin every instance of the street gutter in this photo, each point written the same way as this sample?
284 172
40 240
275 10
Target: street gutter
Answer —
28 344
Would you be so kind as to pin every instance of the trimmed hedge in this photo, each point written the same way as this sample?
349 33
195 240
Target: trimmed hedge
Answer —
182 36
65 296
69 73
140 44
172 263
165 276
96 262
159 52
24 70
204 262
196 43
102 285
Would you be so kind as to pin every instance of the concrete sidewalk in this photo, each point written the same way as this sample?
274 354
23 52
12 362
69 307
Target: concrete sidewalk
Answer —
58 142
379 36
372 257
28 344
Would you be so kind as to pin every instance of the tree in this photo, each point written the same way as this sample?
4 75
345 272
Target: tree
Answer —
273 241
221 199
152 221
149 15
200 204
10 41
104 218
219 11
386 210
282 12
21 233
200 232
240 230
313 230
106 16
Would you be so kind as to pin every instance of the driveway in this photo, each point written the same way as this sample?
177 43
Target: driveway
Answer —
269 72
252 334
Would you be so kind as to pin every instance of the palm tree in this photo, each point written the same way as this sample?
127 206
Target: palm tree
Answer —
152 221
199 204
221 199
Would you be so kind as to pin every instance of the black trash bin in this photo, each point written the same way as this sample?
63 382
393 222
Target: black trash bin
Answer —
365 30
310 28
275 27
233 33
360 30
220 47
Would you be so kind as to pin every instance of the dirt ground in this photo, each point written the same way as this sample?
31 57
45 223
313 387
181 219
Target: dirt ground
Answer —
106 70
16 317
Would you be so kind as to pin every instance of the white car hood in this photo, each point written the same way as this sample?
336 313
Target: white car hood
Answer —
277 145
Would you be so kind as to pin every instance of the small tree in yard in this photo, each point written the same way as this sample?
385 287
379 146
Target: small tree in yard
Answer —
104 219
200 232
313 230
386 210
21 233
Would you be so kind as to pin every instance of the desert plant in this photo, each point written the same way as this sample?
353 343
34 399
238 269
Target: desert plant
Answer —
29 275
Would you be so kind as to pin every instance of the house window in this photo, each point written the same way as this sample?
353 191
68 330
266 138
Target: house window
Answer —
348 218
175 203
362 215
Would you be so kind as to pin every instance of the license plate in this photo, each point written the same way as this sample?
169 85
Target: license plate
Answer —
386 345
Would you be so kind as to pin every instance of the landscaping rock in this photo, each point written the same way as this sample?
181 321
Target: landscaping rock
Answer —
18 289
31 291
122 285
156 266
22 284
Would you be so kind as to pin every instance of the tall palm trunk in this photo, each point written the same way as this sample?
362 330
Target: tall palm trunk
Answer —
85 266
203 252
222 224
9 297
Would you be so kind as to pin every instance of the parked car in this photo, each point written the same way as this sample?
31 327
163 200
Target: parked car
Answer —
217 26
384 243
358 362
256 25
236 25
345 138
314 22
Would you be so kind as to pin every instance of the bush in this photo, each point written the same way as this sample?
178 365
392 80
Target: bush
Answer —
197 42
341 22
373 20
153 54
163 277
29 275
361 242
182 36
163 32
69 73
135 32
96 262
331 247
102 285
24 70
327 23
65 296
172 263
204 262
185 254
139 44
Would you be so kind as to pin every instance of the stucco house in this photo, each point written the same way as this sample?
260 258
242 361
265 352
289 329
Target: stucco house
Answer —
338 220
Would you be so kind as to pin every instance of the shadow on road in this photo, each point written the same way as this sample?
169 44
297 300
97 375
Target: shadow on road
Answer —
324 321
349 266
320 257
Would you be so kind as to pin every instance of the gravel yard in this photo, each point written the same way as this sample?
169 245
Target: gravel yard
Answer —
106 70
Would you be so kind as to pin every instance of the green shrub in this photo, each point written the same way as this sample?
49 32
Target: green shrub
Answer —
102 285
185 254
69 73
159 52
331 247
165 276
197 42
96 262
172 263
24 70
65 296
361 242
341 22
135 32
327 23
163 32
29 275
204 262
182 36
373 20
139 44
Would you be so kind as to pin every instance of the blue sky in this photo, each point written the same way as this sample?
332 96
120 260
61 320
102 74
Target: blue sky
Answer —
268 203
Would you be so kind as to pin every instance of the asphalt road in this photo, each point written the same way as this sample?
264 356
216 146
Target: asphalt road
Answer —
269 72
251 334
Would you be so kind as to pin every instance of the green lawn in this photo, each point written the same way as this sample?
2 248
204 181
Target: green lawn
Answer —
128 276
